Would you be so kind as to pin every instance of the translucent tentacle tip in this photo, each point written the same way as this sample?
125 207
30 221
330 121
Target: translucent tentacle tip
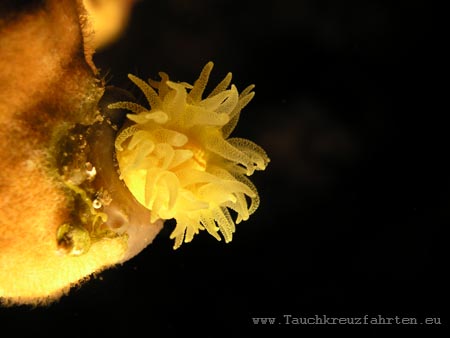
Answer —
177 159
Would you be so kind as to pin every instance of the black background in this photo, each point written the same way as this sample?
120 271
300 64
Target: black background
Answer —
355 198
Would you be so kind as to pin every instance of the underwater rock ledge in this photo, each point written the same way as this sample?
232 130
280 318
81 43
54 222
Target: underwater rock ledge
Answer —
49 91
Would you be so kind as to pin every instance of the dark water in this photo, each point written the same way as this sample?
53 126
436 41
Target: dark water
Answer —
353 203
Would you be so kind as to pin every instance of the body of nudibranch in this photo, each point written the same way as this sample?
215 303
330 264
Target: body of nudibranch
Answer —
177 159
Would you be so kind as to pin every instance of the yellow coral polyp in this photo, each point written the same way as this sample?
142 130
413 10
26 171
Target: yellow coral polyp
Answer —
177 159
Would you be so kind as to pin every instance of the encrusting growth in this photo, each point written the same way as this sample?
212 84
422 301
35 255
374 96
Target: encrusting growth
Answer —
177 159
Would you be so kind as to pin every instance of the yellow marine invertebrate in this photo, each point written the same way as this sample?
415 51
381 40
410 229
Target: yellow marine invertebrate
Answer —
178 161
65 213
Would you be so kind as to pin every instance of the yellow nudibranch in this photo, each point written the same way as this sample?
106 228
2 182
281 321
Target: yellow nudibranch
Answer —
178 161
